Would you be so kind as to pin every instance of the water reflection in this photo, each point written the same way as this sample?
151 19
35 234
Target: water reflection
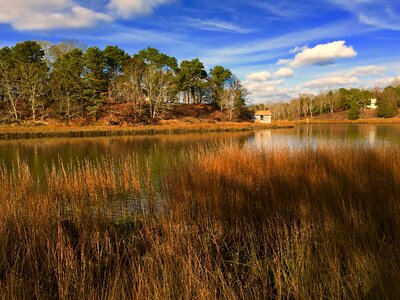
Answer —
157 150
312 135
157 154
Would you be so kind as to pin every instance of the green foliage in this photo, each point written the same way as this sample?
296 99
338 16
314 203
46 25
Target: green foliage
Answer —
347 98
354 112
8 81
152 56
31 73
6 64
66 80
338 100
28 52
233 100
190 78
95 80
218 79
387 103
398 95
5 55
114 62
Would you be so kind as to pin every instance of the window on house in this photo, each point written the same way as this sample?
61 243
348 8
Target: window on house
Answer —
261 118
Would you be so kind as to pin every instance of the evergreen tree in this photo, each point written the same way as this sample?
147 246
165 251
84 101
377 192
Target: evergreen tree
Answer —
95 80
152 56
114 62
31 70
219 76
8 81
354 111
191 78
234 99
66 82
387 103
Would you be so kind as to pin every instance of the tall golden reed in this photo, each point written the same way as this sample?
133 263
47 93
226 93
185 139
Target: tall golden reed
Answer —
238 224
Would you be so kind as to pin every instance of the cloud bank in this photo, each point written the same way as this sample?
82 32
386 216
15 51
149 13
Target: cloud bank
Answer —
269 86
68 14
345 78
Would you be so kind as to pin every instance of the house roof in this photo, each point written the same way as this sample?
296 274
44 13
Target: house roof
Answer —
263 113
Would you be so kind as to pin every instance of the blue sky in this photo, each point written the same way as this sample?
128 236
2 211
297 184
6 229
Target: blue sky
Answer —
277 48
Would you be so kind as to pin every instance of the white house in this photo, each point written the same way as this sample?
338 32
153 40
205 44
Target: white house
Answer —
263 116
373 104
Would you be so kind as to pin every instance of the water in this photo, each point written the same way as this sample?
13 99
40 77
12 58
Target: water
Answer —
158 150
158 153
330 134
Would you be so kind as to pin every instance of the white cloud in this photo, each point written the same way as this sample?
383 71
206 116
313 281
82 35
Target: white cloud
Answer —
48 14
128 8
271 48
215 25
384 82
365 71
323 54
263 91
283 62
254 86
331 81
258 76
263 87
345 77
52 14
382 14
284 72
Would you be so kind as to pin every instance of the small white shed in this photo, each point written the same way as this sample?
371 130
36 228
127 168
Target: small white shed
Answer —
373 104
263 116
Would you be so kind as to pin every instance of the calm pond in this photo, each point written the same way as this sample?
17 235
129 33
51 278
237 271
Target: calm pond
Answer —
158 150
158 153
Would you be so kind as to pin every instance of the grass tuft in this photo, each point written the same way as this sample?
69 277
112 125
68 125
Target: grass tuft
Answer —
279 223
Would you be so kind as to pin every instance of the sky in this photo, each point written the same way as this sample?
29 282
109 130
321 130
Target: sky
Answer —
278 48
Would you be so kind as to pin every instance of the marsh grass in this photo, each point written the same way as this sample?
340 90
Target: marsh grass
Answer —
247 224
49 131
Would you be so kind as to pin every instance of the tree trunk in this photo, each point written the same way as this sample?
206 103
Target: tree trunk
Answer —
13 103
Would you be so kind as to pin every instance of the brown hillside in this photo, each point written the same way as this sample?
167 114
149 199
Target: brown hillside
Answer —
123 114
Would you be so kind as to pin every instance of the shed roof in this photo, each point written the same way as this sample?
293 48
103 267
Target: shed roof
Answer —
263 113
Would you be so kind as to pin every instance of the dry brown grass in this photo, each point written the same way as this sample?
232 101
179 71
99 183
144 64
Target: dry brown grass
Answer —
45 131
298 224
280 223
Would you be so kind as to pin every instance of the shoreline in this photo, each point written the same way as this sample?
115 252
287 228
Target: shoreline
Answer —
378 121
49 131
12 132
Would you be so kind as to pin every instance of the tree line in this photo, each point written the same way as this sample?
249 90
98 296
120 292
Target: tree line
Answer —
40 80
332 101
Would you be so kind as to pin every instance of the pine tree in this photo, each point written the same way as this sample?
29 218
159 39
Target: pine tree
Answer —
354 112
